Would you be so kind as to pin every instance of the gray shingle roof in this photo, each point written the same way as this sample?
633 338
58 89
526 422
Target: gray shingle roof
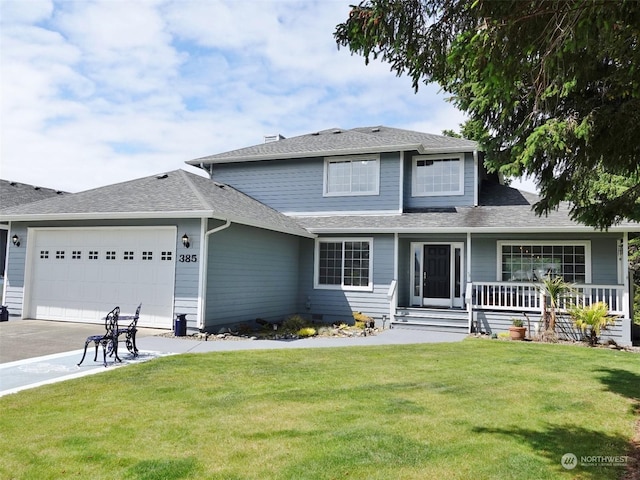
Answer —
336 141
14 193
502 209
177 194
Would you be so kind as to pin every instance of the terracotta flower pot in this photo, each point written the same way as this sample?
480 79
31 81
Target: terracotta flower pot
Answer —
517 333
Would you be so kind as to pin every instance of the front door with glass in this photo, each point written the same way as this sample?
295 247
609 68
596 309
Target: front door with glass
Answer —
437 274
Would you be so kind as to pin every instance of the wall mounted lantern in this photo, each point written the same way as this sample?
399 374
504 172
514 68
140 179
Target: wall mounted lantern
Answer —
185 241
16 240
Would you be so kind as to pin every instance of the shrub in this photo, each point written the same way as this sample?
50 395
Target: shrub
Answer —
307 332
594 317
363 321
294 323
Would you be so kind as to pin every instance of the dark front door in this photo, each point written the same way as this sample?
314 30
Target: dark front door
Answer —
436 277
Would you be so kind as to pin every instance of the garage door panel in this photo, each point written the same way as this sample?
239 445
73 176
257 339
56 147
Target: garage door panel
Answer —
81 274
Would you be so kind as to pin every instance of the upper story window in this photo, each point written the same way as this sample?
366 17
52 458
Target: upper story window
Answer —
352 175
438 175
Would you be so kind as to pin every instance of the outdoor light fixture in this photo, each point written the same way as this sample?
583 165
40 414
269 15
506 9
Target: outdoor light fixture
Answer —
16 240
185 241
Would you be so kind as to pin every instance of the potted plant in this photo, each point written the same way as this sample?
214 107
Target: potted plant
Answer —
517 330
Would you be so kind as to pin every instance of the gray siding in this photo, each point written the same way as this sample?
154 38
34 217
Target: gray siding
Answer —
491 322
443 201
188 273
252 274
297 185
15 271
339 305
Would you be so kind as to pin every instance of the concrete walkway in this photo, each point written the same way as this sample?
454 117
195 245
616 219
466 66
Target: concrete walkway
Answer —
34 353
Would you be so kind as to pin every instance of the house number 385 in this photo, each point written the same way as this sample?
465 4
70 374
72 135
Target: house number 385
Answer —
188 258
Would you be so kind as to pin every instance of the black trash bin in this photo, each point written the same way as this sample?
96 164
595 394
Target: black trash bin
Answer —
180 326
4 313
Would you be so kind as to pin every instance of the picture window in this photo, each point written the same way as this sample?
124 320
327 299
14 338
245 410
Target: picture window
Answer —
533 262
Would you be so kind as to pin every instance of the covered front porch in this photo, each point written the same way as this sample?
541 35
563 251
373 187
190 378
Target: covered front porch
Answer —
481 282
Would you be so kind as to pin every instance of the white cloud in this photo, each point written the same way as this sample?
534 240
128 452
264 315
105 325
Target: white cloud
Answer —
96 92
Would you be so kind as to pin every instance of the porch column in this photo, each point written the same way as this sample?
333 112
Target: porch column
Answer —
468 297
626 300
625 276
393 288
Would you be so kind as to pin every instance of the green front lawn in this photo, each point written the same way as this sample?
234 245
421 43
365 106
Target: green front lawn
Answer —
476 409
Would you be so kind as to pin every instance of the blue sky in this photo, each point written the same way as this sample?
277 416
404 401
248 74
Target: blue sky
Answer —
98 92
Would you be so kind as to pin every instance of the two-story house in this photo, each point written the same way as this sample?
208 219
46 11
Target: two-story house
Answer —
403 226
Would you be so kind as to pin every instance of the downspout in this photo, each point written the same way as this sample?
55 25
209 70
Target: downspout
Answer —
204 271
208 170
401 193
476 185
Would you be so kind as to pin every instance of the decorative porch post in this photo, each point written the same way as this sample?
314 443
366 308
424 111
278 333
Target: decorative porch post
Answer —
626 298
468 290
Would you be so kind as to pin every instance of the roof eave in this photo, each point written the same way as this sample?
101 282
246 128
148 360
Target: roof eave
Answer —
153 215
420 148
40 217
500 230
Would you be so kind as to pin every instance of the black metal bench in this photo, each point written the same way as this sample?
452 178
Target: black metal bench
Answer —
108 340
130 331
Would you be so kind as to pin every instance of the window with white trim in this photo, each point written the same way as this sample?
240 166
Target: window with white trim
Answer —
532 261
351 175
344 263
438 175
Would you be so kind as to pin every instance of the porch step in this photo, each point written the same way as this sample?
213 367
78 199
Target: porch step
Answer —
443 320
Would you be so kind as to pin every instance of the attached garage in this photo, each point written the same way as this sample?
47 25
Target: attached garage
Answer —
142 241
79 274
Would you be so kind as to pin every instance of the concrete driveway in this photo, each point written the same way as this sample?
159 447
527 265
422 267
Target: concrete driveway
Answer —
22 339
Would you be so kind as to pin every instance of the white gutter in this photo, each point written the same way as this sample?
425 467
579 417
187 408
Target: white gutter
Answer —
204 269
39 217
506 229
476 186
401 200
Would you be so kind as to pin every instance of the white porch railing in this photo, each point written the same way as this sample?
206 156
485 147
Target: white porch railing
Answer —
524 296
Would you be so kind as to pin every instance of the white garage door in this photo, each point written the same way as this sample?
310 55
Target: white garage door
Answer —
79 275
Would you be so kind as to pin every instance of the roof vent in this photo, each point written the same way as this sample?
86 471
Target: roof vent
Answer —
163 176
36 188
273 138
13 184
375 129
337 131
315 134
